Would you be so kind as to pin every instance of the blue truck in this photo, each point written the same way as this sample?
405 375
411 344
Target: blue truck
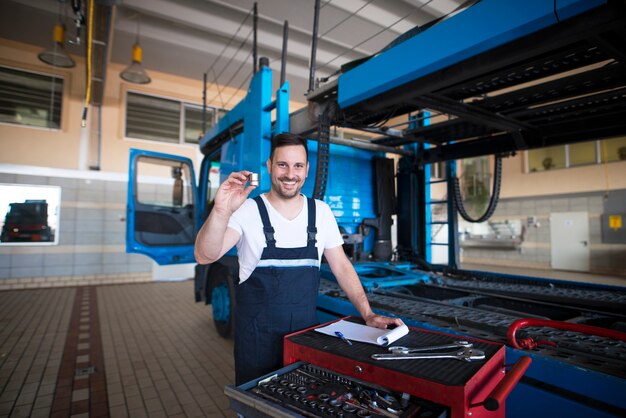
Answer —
513 76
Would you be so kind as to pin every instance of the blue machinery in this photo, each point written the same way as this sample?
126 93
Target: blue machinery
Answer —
454 67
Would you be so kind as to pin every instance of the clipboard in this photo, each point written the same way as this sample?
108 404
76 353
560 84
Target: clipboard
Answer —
364 333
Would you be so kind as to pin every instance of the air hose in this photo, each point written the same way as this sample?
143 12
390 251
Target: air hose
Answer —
493 201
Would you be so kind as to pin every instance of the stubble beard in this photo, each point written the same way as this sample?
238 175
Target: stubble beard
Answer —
287 194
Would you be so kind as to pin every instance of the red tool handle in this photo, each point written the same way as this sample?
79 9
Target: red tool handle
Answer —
499 394
567 326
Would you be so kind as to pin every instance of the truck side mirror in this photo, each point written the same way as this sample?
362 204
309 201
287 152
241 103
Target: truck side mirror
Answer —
177 192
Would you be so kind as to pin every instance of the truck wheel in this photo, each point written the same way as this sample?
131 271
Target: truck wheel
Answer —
222 300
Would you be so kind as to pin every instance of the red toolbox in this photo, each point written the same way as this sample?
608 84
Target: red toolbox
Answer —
467 388
325 376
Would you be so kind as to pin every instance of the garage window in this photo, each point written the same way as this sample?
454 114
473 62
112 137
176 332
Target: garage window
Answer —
165 120
30 99
573 155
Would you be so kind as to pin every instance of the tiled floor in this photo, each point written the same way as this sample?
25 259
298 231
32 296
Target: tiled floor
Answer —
160 353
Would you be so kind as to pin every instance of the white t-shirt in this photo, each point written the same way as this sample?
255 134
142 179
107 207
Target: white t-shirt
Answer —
288 233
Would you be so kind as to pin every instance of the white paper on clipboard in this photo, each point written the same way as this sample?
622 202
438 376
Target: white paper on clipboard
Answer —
363 333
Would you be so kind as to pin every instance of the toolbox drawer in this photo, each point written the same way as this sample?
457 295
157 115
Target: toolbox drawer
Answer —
304 389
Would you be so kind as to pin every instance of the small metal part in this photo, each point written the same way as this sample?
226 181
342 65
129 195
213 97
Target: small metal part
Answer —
466 354
404 402
348 407
409 350
254 179
335 402
272 378
309 378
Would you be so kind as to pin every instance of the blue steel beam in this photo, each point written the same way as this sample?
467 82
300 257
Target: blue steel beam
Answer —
244 133
482 27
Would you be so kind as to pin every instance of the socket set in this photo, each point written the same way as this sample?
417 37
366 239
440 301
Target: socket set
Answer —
314 391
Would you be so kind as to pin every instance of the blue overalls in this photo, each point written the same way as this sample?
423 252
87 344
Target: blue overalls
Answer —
277 299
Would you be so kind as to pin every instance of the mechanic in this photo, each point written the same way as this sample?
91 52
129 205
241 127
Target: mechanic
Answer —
281 237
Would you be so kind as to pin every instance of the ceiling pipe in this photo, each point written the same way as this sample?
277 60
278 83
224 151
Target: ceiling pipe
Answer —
316 19
255 18
283 58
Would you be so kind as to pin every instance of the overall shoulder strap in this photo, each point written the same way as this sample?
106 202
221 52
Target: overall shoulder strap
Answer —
311 228
268 230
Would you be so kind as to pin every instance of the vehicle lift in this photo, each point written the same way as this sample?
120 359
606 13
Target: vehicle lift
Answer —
511 76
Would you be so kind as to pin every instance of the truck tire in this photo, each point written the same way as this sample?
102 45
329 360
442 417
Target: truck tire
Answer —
222 299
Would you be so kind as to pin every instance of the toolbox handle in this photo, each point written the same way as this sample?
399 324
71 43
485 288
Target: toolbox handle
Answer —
566 326
499 394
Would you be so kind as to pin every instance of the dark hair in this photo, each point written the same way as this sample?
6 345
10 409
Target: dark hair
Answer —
285 139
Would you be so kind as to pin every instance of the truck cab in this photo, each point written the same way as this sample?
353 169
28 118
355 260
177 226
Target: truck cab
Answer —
27 222
167 205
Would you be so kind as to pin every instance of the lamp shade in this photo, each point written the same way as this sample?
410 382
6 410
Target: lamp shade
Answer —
57 56
135 73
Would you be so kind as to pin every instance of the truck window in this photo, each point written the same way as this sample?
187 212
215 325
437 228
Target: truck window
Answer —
164 200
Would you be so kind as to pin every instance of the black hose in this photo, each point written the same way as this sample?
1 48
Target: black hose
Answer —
493 201
76 6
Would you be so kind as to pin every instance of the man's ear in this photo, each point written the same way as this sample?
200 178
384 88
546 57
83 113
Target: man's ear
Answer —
307 169
269 165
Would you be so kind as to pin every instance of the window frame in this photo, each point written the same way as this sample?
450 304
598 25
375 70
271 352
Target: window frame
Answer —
181 117
566 148
64 91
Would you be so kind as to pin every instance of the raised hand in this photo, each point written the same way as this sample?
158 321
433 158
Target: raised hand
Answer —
233 192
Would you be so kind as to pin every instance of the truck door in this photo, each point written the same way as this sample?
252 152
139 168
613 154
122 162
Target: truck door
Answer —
162 210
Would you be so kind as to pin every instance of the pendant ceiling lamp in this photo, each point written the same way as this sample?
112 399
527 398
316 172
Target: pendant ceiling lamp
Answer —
135 73
57 56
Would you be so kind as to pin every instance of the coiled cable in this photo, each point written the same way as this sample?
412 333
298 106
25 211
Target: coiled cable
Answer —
493 201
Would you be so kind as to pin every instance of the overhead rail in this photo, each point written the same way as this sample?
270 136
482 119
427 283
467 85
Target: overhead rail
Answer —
211 69
551 74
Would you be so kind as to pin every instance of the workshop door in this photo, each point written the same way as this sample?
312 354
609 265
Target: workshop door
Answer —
569 238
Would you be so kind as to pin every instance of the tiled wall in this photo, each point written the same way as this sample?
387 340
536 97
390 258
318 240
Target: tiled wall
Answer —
91 246
91 237
535 250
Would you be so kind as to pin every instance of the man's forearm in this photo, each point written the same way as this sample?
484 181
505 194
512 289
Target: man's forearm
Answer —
351 285
360 302
210 239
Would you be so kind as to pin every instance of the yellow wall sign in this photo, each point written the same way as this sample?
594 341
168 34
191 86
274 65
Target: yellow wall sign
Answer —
615 222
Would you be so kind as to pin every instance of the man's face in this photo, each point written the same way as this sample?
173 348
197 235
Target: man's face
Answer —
288 170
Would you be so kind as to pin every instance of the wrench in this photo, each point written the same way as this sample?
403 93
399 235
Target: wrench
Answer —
464 354
406 350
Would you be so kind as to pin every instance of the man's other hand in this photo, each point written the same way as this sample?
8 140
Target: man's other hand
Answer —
383 322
